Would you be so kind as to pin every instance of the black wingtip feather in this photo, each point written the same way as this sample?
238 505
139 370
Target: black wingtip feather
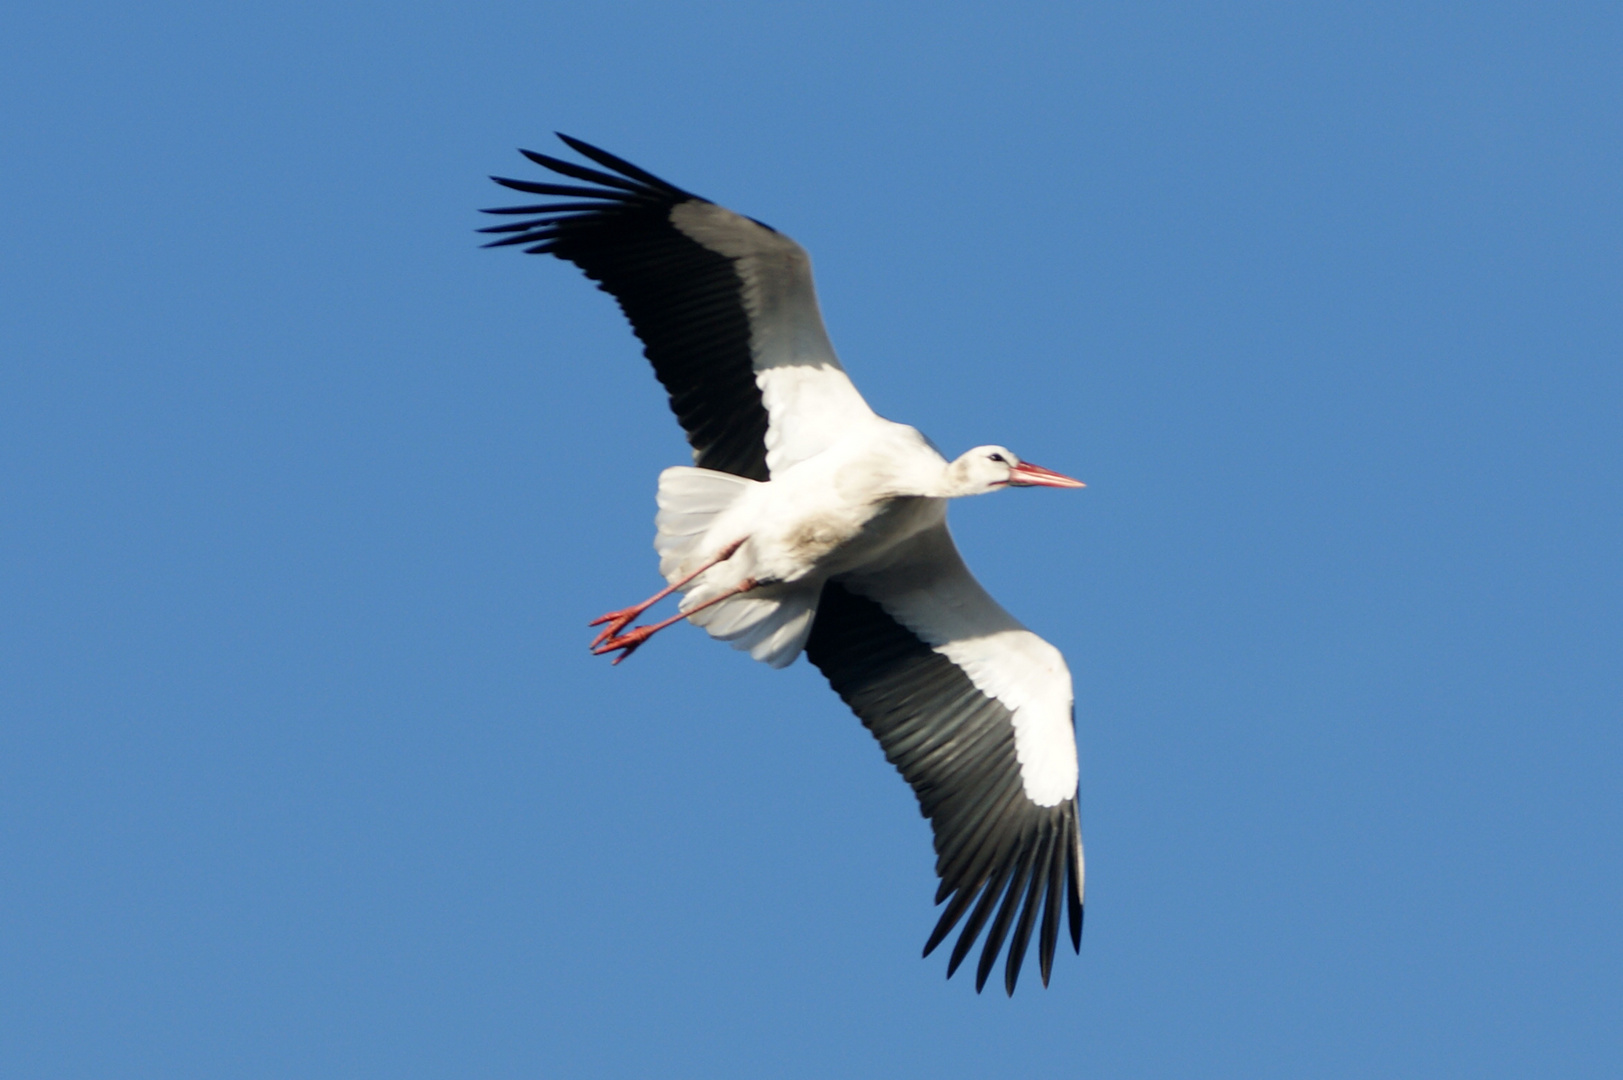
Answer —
531 187
1073 889
523 238
994 889
550 208
1005 917
977 918
620 165
1051 907
949 918
581 172
1028 912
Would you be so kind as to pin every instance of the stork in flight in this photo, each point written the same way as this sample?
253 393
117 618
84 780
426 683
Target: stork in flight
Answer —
809 522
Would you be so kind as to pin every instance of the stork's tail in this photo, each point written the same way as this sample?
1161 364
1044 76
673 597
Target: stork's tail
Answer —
772 628
689 502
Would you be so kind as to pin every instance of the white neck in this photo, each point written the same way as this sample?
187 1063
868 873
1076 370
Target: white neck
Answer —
955 480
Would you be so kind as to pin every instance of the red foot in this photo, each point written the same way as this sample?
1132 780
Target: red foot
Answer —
626 644
610 638
617 621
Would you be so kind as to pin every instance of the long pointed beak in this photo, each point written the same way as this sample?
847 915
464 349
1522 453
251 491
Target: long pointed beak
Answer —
1026 474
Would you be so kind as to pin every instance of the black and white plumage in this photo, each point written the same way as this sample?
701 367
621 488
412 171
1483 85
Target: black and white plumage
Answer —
809 523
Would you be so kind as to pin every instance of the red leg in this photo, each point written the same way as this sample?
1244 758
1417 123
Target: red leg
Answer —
619 620
630 642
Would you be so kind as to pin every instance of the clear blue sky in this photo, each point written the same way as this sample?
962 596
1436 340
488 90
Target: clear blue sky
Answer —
305 502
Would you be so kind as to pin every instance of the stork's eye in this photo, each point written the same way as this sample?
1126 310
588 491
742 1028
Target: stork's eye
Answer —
998 458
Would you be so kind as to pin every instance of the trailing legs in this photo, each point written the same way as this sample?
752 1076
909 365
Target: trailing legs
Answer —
610 638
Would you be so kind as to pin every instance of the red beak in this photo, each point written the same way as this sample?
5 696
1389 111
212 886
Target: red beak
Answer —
1026 474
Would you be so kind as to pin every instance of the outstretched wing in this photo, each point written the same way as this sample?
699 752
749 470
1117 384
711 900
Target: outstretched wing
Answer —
724 305
975 712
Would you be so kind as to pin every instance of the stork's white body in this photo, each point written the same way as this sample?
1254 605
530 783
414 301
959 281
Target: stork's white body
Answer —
845 508
810 523
850 506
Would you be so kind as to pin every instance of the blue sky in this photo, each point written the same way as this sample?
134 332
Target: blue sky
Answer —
306 501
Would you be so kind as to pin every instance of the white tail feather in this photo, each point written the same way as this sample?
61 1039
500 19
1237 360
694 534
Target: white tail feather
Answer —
689 500
772 629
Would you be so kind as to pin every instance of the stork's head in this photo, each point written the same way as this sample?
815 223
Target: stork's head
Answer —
988 468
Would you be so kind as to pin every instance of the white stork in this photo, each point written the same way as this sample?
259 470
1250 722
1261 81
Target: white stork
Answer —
808 522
